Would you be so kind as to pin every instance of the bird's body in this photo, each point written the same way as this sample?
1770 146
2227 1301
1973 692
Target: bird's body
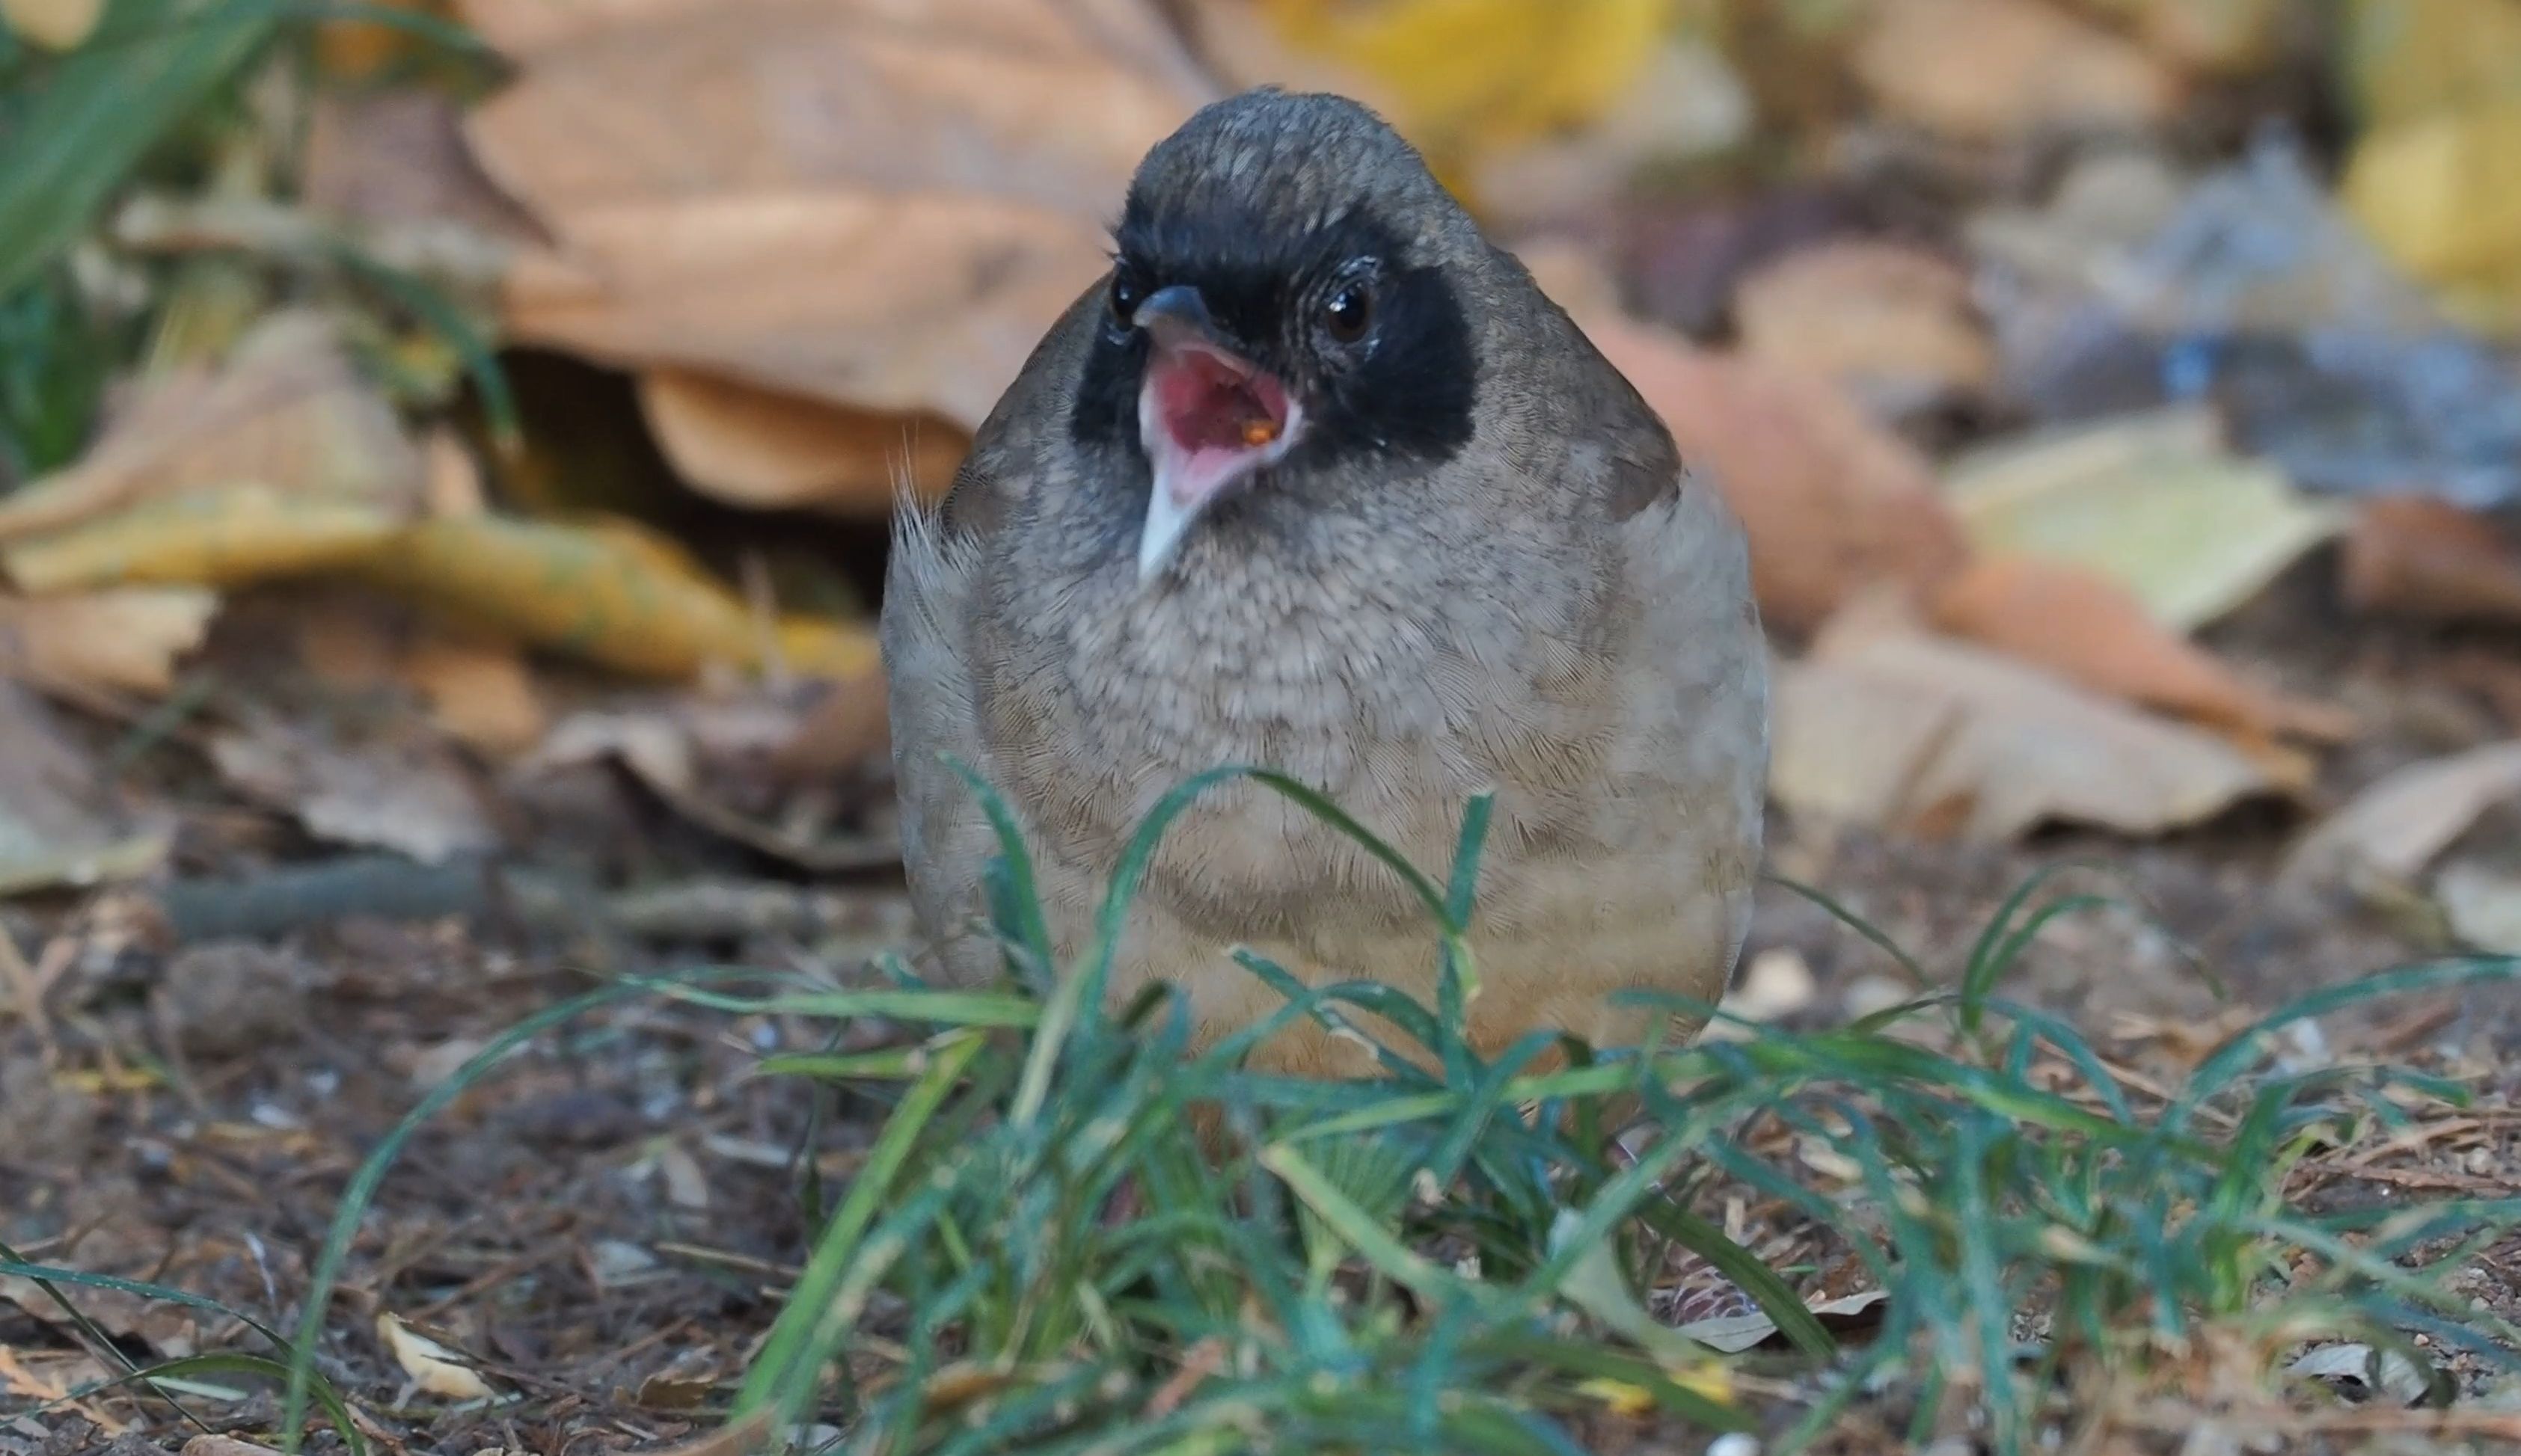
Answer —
1473 562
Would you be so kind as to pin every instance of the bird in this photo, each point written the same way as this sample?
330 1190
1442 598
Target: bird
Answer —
1316 478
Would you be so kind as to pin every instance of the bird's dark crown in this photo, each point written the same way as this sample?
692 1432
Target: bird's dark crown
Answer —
1268 204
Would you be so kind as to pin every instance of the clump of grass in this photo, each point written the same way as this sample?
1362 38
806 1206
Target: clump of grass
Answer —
1449 1257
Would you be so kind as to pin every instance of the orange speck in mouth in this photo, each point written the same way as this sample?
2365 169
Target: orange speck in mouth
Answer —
1258 433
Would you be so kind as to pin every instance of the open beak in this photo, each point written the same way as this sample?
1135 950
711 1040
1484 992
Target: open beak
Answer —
1208 417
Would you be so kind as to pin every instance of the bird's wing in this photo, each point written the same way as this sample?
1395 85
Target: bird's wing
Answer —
925 630
936 595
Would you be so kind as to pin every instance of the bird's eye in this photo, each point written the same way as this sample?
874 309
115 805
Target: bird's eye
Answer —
1349 313
1126 295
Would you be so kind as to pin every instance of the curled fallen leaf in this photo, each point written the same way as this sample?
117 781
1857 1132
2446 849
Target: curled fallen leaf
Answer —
701 758
1884 724
1833 502
220 538
775 451
125 638
2397 825
1891 324
1989 70
56 825
2088 629
607 591
409 796
432 1366
2431 560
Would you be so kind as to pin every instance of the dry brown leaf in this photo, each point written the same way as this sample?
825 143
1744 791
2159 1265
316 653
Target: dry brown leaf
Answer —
767 450
1891 323
395 157
1988 69
480 692
55 825
1886 725
286 414
699 758
2429 559
453 482
433 1367
409 796
845 731
1833 502
209 1444
478 688
876 204
2086 627
919 302
2396 826
124 638
2215 36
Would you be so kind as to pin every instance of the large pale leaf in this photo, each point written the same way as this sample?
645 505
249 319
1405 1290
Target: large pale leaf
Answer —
2155 502
1886 725
875 205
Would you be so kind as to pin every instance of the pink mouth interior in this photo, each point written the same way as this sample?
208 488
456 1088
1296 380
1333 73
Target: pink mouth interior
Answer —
1210 402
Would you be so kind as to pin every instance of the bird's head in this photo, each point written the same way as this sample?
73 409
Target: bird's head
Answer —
1284 299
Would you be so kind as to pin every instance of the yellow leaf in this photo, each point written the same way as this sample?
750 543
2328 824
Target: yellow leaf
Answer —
2436 193
209 538
355 50
609 592
1467 73
54 24
1621 1397
2407 58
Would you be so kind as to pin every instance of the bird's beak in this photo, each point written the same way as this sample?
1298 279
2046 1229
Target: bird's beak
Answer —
1208 417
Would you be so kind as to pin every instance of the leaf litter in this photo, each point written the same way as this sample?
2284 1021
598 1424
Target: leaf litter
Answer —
679 175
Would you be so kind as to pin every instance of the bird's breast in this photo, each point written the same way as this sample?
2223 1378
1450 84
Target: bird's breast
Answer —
1397 712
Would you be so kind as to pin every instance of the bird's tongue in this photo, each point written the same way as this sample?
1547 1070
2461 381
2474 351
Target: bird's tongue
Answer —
1214 407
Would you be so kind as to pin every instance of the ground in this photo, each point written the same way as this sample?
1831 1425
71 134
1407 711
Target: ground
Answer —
607 1223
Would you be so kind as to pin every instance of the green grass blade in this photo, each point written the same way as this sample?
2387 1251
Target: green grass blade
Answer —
801 1339
101 112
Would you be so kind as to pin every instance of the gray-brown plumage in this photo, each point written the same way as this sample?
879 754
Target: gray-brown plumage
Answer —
1318 480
